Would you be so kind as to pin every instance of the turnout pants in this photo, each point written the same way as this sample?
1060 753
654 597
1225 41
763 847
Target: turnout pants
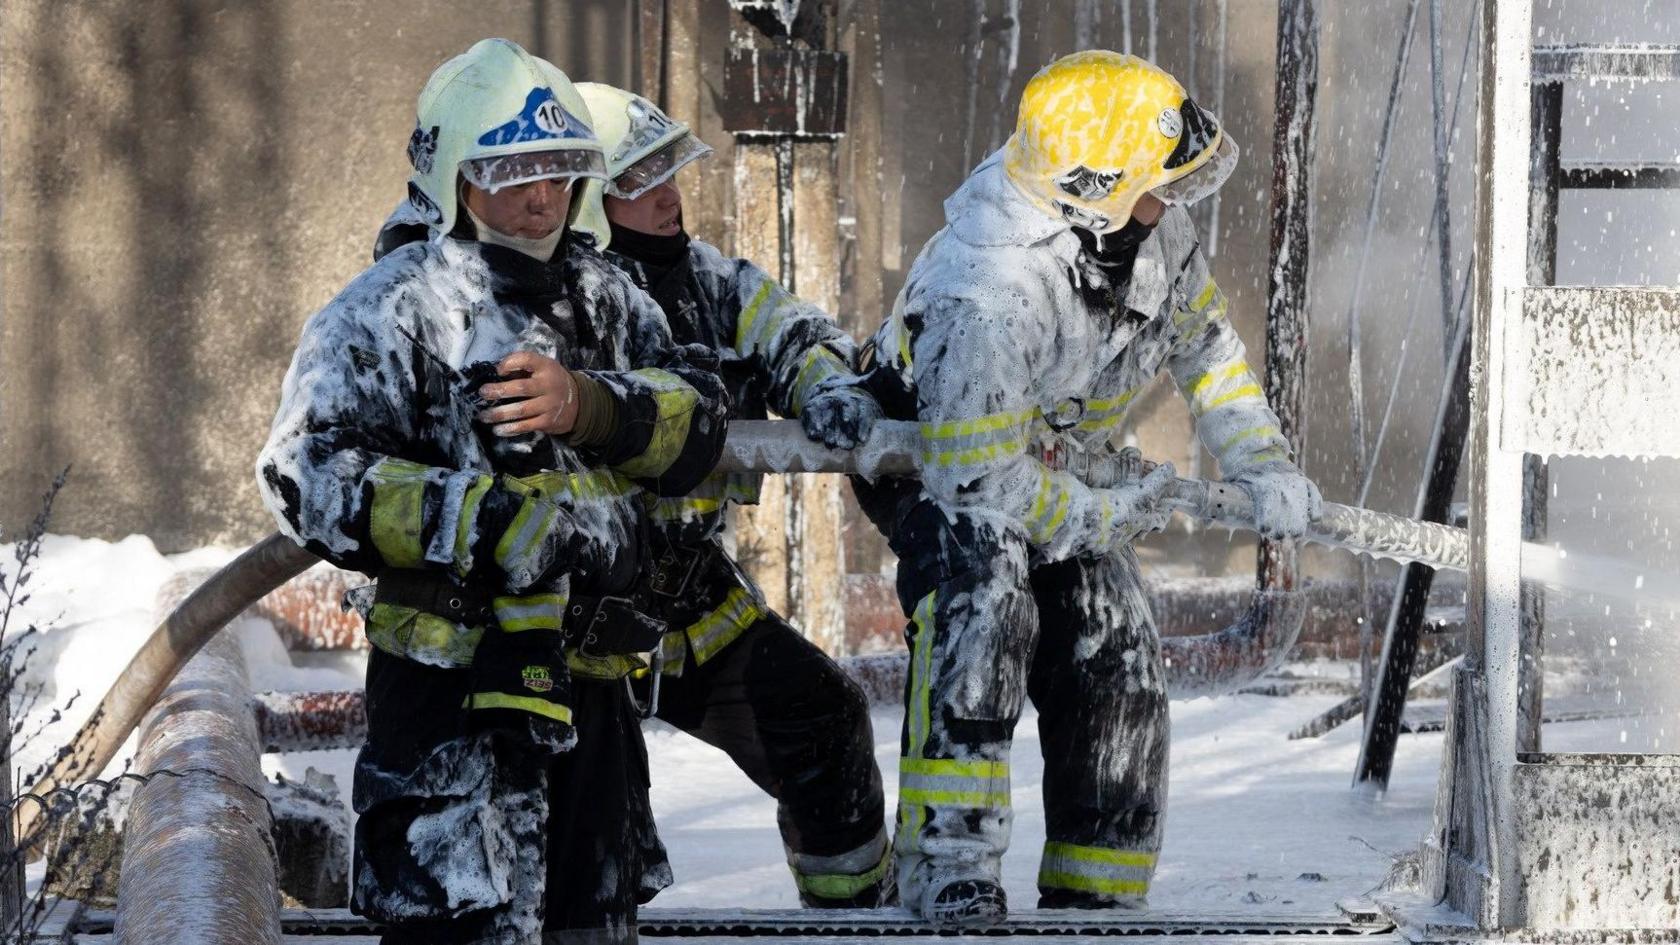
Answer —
745 681
989 627
467 836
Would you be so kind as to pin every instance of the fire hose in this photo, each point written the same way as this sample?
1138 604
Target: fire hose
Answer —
1200 665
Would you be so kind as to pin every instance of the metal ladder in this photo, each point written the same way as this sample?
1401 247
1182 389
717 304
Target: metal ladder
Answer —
1552 67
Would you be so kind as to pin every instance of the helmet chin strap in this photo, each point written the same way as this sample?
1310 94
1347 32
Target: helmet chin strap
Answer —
540 248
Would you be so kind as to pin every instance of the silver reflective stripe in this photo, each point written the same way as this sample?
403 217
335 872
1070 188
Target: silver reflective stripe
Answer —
1098 870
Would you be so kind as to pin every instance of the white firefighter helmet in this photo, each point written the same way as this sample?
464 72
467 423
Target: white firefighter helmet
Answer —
644 146
497 116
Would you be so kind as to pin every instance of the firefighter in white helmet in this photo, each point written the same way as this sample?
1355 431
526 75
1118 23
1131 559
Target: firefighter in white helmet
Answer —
502 790
807 740
735 673
1067 277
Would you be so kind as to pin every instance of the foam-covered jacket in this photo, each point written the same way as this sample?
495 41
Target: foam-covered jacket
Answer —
373 461
1019 356
776 352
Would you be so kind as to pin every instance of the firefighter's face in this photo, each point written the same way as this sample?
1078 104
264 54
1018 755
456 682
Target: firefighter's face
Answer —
656 213
1148 210
531 210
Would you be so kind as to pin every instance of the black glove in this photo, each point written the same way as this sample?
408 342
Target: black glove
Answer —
521 686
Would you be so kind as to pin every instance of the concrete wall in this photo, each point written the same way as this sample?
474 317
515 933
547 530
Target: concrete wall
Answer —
184 182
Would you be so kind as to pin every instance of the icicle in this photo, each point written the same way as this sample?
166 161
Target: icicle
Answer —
1154 31
1087 24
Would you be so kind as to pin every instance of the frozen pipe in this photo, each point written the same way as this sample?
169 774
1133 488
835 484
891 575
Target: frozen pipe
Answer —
245 580
894 448
198 865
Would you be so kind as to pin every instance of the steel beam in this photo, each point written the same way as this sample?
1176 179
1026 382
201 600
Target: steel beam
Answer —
1636 62
1498 399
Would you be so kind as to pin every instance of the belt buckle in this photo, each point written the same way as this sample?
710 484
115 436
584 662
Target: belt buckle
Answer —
590 631
670 564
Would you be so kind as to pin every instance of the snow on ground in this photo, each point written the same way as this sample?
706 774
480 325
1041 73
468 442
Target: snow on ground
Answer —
1249 813
1256 823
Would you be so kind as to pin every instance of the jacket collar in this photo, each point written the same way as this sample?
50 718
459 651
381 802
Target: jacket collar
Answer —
989 210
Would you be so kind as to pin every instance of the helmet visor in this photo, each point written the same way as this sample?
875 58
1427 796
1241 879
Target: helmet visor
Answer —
509 170
1203 180
657 168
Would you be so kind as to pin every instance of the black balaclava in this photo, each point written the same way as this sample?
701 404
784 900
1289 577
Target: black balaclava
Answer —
658 252
1106 260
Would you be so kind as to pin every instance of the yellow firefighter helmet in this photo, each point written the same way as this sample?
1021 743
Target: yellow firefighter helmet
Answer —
1099 129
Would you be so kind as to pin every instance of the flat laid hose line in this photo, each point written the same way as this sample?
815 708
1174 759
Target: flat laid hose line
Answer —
244 581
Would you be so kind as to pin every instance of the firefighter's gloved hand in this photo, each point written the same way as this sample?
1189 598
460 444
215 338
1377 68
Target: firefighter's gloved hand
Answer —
521 687
1285 501
840 417
1137 506
534 540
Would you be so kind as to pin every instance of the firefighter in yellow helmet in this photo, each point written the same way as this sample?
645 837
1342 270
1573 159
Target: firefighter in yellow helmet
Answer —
1068 276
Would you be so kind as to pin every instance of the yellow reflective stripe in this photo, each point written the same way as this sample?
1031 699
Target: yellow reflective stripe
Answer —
395 519
1251 433
1057 879
1205 296
675 651
991 800
590 485
921 676
820 365
707 498
978 454
530 612
1210 301
843 885
1201 382
1049 508
533 522
976 440
469 517
724 624
946 782
1096 869
501 700
903 333
981 769
986 424
1242 393
1106 413
603 667
1266 456
1100 855
1202 389
422 637
674 402
665 509
746 327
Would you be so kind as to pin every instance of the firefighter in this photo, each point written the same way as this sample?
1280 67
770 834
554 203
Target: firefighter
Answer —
1068 276
736 674
740 677
502 790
